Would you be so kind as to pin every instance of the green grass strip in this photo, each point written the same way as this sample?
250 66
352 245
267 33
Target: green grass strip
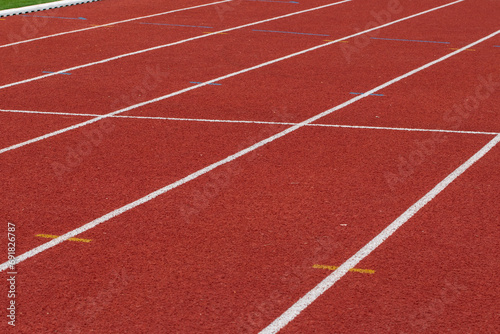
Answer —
7 4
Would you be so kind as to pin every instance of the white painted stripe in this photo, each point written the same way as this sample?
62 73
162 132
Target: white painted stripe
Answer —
166 45
109 24
55 133
43 6
330 280
208 120
405 129
226 160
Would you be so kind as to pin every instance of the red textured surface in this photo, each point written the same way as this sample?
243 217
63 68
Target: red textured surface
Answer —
437 274
231 250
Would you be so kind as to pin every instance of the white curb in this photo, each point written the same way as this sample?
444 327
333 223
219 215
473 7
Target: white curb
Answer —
43 6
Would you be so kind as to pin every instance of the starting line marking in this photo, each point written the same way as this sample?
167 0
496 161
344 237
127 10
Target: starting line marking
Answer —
50 236
362 271
209 120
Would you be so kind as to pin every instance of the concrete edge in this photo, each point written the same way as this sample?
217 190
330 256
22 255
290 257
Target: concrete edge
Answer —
43 6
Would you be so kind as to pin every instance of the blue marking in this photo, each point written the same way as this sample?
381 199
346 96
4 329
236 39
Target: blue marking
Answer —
55 72
369 94
496 46
409 40
214 84
57 17
275 1
177 25
291 32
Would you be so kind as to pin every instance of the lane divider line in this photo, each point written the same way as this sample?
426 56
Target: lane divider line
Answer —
56 73
362 271
100 25
290 32
363 93
408 40
291 313
111 23
176 25
50 236
178 42
209 120
270 62
215 33
329 40
465 50
213 83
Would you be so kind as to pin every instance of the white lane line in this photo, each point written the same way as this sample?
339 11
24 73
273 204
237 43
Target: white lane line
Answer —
166 45
211 120
330 280
110 24
76 126
226 160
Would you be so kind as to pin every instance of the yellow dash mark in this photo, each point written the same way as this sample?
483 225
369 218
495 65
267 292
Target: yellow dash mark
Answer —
362 271
329 40
49 236
459 49
216 33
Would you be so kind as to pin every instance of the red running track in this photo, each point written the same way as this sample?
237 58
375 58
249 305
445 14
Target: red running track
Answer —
233 249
